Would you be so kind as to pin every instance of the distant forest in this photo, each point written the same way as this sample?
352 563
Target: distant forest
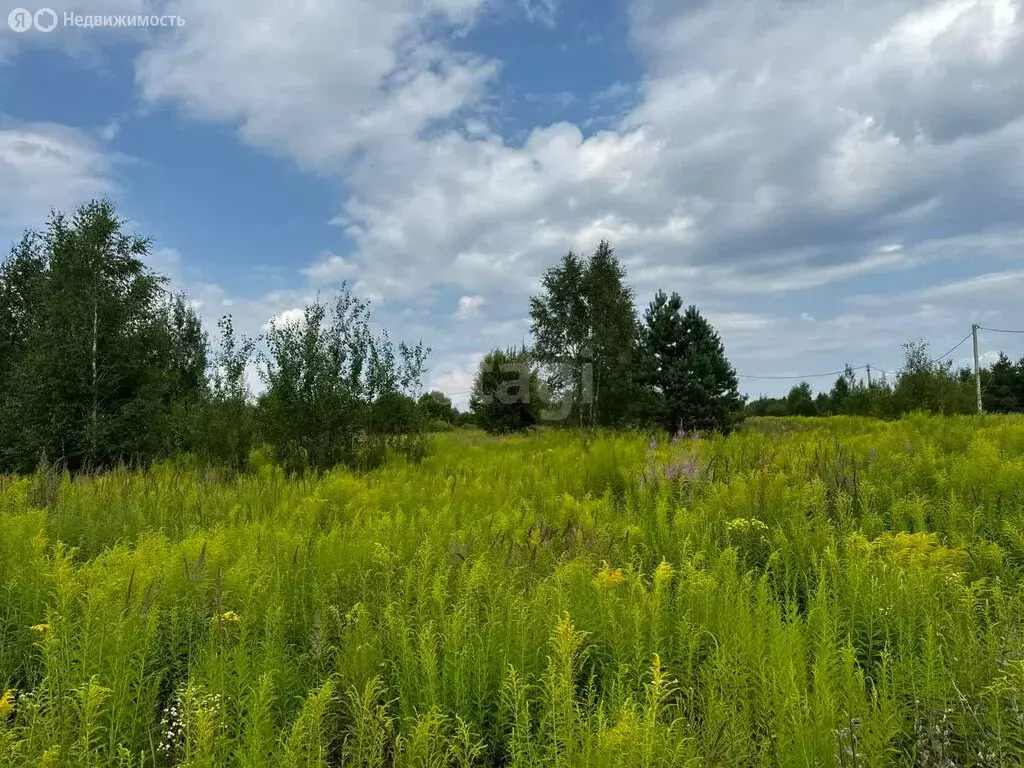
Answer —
101 363
920 385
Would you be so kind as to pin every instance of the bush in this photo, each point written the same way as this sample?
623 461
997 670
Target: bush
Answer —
506 392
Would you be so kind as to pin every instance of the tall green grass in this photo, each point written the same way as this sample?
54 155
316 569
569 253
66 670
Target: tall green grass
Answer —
810 593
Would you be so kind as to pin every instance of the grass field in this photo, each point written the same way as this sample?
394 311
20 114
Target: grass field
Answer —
822 592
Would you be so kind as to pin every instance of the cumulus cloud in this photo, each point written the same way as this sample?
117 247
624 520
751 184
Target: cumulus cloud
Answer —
45 166
771 149
469 307
293 316
330 269
320 83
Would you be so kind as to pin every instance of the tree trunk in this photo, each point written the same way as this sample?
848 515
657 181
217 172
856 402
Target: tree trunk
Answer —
95 377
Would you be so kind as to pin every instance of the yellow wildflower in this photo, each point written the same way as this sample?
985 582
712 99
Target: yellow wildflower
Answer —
608 578
230 617
663 573
623 734
382 556
744 526
41 628
6 704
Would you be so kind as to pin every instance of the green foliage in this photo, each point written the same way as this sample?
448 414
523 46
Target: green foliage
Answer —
584 328
1004 392
224 423
800 401
100 365
506 393
836 591
437 407
394 413
929 386
330 383
96 359
684 363
922 384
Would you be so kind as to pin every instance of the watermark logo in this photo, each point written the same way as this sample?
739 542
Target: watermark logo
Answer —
47 20
514 387
22 20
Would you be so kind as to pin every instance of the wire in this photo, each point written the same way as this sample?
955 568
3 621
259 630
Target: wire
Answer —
954 347
807 376
945 354
997 330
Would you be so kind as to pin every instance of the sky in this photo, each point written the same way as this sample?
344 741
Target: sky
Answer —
825 179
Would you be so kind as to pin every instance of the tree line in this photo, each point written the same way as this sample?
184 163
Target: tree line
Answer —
101 364
595 363
921 384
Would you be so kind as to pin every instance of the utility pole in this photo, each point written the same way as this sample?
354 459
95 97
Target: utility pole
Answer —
977 367
868 366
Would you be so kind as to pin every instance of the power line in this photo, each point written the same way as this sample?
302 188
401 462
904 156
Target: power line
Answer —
806 376
996 330
944 355
953 348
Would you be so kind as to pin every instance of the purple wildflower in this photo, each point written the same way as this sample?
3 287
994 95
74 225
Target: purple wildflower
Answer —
687 467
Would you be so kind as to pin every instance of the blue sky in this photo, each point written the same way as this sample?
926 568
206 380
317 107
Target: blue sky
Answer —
825 179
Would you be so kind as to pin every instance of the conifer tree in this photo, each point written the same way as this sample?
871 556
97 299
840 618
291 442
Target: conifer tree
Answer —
1000 392
684 363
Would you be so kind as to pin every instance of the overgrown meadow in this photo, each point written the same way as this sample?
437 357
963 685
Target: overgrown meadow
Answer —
820 592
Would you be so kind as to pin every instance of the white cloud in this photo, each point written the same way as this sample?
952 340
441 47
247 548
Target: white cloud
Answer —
44 167
455 378
769 149
293 316
331 269
110 131
988 285
318 83
469 307
543 11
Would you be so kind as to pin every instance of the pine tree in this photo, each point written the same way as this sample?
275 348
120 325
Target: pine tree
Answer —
1018 384
684 363
840 393
999 394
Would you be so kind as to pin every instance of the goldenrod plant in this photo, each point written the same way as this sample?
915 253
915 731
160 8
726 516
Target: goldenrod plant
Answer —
804 592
